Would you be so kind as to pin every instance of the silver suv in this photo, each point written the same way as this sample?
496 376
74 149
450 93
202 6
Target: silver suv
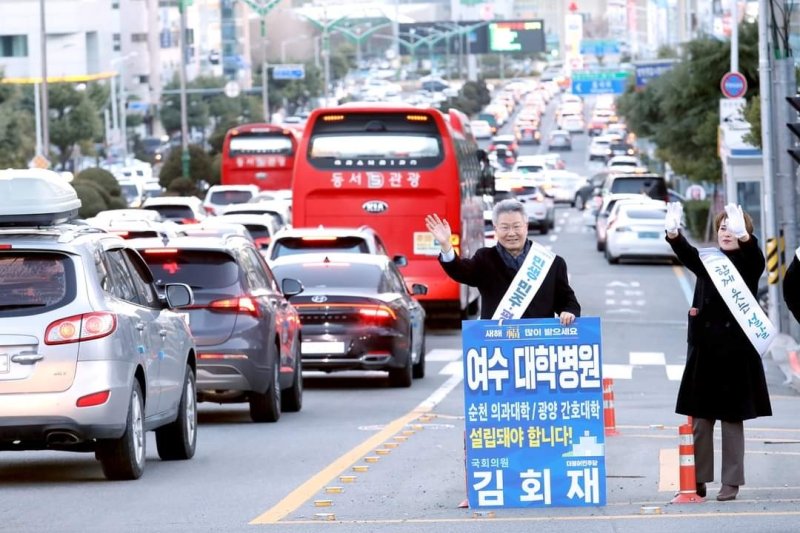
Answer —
91 356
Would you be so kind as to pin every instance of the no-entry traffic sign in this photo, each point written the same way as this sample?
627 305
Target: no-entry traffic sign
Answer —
733 85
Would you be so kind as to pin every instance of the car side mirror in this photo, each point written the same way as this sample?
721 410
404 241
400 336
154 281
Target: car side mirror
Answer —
178 295
291 287
418 289
400 260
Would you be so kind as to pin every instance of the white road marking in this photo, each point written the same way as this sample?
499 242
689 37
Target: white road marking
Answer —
452 369
610 301
675 372
647 358
444 355
617 371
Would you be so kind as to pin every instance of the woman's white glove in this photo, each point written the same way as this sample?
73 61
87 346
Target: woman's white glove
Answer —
674 216
735 222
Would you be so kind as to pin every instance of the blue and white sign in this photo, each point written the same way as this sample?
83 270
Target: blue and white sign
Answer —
288 72
607 86
648 71
733 85
533 402
599 47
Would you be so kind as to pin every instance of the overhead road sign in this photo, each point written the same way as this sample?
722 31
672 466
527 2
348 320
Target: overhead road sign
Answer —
600 47
651 70
599 81
288 72
473 36
733 85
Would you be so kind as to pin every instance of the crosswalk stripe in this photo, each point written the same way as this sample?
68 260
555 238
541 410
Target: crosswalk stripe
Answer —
617 371
647 358
675 372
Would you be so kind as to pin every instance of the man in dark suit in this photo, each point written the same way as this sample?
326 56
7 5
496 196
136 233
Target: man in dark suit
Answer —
492 269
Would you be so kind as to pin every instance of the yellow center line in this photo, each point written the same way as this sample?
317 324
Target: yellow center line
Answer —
320 480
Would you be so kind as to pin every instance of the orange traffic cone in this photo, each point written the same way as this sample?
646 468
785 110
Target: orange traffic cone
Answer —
688 480
609 416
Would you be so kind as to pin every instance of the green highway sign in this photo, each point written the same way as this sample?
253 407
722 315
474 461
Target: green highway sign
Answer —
597 75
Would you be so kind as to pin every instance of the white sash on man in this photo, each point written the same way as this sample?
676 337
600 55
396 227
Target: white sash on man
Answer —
742 304
526 283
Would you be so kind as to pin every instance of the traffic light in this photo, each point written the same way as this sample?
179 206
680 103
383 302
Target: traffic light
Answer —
794 127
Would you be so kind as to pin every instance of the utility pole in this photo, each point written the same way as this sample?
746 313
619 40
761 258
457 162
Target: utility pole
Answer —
262 8
767 194
185 157
45 102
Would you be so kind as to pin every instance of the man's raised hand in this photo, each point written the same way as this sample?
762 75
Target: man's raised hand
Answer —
673 219
440 230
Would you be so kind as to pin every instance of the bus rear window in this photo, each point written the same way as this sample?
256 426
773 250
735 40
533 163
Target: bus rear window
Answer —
260 143
385 140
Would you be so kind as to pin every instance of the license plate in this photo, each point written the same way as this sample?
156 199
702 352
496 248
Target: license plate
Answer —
322 347
4 365
425 244
649 235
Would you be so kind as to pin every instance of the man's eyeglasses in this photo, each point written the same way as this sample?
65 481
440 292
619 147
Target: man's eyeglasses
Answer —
516 228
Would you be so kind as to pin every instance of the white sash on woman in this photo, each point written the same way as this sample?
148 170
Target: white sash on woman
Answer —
526 283
742 304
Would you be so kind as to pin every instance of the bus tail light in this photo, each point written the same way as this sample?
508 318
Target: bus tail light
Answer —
333 118
77 328
240 304
417 118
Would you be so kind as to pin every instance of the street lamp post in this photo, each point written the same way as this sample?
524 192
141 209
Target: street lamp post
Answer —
262 8
185 157
122 123
45 103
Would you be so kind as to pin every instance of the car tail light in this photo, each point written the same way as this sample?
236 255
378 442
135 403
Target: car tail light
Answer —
241 304
5 246
78 328
227 356
189 221
121 234
376 314
96 398
160 251
262 242
209 209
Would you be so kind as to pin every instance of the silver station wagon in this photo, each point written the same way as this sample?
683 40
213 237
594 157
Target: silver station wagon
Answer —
91 356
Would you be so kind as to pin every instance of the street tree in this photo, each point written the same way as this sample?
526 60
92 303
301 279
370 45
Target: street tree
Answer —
73 119
679 111
16 126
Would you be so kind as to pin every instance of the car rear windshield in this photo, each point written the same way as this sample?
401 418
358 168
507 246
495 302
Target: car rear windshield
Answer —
334 274
230 197
653 187
305 245
172 212
257 231
31 283
649 214
200 269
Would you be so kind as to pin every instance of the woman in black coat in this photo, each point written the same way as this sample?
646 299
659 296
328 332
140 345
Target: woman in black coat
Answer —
724 377
791 287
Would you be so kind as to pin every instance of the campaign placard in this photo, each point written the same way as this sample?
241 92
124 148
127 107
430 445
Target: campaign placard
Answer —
533 406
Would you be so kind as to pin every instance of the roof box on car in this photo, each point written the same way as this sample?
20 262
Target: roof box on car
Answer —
36 197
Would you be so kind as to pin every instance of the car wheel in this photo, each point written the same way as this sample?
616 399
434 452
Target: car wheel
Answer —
601 246
611 260
178 440
266 406
544 228
292 398
418 371
401 377
123 458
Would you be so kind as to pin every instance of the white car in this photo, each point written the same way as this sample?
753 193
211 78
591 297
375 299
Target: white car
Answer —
600 148
481 129
563 185
279 209
626 161
573 124
179 209
636 231
219 197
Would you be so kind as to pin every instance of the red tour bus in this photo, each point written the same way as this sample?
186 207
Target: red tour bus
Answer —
388 167
259 154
